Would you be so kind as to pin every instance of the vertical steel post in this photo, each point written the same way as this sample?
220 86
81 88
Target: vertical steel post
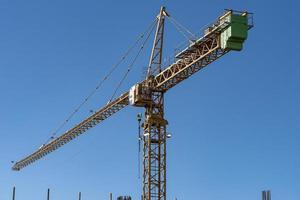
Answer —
266 195
156 53
269 195
79 196
110 196
48 194
154 138
14 193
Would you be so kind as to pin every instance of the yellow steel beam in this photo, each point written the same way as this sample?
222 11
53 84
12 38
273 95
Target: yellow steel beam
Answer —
79 129
193 58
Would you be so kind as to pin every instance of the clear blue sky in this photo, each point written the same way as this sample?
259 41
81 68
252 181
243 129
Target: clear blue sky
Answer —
235 124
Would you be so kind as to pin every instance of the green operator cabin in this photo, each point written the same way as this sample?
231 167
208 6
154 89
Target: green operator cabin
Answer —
235 34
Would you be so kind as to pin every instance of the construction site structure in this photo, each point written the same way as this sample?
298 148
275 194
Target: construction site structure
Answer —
266 195
227 33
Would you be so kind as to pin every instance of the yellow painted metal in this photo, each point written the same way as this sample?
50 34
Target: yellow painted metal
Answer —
150 94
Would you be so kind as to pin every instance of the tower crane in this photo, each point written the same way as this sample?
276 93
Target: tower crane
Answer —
227 33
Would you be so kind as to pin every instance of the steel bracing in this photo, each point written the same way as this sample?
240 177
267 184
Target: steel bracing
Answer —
77 130
193 58
154 159
156 53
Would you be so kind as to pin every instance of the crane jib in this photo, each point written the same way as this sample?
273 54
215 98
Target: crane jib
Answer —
79 129
227 33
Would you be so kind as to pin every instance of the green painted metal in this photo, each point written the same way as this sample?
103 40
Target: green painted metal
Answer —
233 37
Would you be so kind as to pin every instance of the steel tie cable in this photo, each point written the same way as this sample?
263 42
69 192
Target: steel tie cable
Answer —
100 83
131 65
176 23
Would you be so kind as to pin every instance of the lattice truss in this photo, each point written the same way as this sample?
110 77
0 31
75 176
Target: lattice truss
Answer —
154 159
193 58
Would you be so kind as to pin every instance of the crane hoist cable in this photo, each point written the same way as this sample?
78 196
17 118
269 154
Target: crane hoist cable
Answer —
139 119
99 85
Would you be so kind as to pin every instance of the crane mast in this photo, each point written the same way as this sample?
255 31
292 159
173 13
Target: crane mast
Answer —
227 33
154 137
